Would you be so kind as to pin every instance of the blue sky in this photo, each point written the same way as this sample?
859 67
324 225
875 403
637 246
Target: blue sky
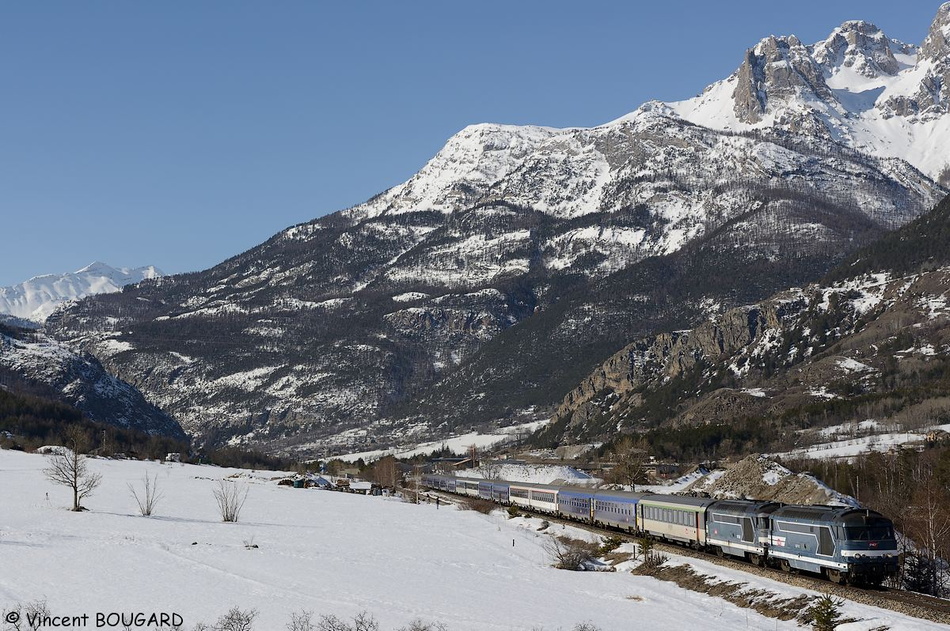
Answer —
181 133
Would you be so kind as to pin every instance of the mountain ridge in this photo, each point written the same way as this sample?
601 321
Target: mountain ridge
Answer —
36 298
514 257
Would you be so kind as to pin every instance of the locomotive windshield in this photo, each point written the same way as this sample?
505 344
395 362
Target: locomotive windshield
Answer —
871 532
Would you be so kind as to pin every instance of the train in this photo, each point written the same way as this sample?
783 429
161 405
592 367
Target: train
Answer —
844 544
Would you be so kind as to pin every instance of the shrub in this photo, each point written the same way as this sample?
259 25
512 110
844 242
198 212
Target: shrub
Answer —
230 497
150 495
570 554
651 559
363 621
477 504
302 621
609 544
825 613
236 620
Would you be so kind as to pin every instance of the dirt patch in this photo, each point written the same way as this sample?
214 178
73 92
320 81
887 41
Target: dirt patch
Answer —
762 601
616 558
757 477
477 504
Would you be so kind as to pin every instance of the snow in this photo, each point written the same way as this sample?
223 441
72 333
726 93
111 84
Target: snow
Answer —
326 552
536 474
852 365
38 297
851 447
410 296
457 444
858 114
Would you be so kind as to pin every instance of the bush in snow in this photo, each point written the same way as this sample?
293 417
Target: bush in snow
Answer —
570 554
419 625
825 613
28 617
230 497
149 497
302 621
651 558
234 620
477 504
362 622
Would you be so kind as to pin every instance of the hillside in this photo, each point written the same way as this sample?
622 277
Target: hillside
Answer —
518 259
869 344
33 364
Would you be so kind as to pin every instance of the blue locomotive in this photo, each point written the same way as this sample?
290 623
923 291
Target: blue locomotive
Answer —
841 543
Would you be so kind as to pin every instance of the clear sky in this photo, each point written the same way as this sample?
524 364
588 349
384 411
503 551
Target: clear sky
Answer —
180 133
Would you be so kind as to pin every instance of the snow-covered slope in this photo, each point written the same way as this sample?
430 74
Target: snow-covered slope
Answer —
38 297
31 361
328 553
857 87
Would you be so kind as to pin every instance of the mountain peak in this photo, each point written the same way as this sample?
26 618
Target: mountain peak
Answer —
937 44
860 46
38 297
776 69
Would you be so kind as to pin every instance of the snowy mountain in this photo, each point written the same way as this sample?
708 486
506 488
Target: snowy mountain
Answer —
31 362
38 297
863 354
858 88
484 288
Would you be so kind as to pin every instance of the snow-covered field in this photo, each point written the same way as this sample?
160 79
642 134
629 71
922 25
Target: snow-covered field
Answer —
851 447
457 445
326 552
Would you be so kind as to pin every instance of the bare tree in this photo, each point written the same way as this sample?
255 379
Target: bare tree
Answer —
302 621
26 618
68 466
363 621
236 620
386 472
928 524
150 495
490 469
230 497
630 458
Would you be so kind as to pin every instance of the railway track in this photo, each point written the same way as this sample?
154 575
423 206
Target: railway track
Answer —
907 603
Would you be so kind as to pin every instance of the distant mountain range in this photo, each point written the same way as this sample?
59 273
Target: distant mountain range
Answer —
38 297
486 287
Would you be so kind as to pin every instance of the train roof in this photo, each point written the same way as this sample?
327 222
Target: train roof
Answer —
533 485
677 500
838 514
744 507
620 495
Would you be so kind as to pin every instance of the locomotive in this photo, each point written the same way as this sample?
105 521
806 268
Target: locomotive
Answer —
844 544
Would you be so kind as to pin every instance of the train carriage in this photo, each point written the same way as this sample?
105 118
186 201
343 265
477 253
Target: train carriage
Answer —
467 486
538 497
617 509
844 544
674 518
576 503
499 491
